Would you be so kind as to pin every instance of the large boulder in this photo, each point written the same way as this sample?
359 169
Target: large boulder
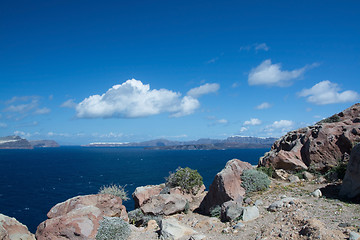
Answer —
164 204
79 217
144 193
11 229
170 228
320 146
226 186
351 183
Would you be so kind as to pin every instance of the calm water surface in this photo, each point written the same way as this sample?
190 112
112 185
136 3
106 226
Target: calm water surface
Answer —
32 181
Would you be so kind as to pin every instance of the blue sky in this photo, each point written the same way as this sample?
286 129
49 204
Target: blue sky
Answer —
118 71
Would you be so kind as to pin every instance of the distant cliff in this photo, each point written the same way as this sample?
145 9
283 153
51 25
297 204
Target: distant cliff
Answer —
14 142
44 144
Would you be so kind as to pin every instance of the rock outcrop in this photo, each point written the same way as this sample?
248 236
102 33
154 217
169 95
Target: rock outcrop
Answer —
164 204
226 186
79 217
320 147
11 229
144 193
351 184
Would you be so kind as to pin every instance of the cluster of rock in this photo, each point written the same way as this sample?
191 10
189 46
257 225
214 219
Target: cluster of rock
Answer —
320 146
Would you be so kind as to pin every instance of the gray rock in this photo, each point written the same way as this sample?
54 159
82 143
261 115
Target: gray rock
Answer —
247 200
250 213
231 210
258 203
308 176
198 237
238 226
351 183
354 236
294 179
317 193
171 229
277 205
164 204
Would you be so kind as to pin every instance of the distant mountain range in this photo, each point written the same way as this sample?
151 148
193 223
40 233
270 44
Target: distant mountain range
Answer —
16 142
201 144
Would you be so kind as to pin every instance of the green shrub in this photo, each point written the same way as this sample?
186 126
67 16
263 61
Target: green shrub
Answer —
139 219
332 119
267 170
253 180
337 172
115 190
187 179
215 211
113 228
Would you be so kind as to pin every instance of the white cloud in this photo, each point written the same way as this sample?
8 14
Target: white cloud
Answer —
253 122
280 127
22 134
283 124
52 134
203 89
256 46
243 129
261 46
263 105
3 125
213 60
68 104
42 111
272 75
134 99
222 121
326 92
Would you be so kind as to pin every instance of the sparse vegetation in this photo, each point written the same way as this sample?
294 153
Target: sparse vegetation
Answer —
215 211
267 170
113 228
337 172
332 119
139 219
115 190
187 179
253 180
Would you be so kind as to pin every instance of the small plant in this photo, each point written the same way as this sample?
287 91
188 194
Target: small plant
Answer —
139 219
187 207
332 119
337 172
187 179
253 180
267 170
113 228
215 211
115 190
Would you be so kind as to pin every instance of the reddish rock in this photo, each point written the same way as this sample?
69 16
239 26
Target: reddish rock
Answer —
78 217
351 184
320 146
226 186
11 229
143 194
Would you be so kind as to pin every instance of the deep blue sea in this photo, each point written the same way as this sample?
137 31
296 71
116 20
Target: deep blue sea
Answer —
33 181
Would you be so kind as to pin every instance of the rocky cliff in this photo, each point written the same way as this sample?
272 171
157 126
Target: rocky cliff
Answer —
321 146
44 144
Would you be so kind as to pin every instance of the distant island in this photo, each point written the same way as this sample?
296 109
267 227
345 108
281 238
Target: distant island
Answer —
16 142
201 144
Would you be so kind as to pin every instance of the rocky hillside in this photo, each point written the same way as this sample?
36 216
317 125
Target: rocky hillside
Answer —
44 144
14 142
319 147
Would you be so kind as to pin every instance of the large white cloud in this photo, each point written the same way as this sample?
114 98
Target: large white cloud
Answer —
134 99
253 122
272 75
203 89
326 92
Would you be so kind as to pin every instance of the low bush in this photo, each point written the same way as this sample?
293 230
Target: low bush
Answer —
187 179
139 219
215 211
332 119
253 180
115 190
337 172
267 170
113 228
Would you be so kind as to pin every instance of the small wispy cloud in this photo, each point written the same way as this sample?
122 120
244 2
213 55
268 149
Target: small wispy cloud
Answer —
272 75
326 92
256 46
3 125
280 127
203 89
68 104
20 107
252 122
263 105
